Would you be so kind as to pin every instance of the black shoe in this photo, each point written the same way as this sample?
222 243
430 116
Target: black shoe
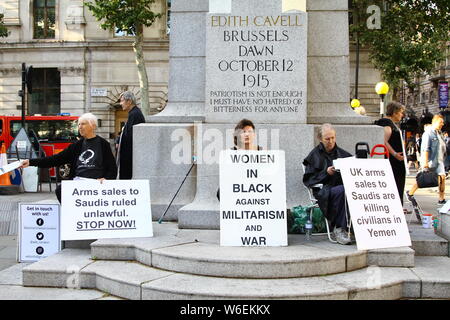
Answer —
411 198
442 201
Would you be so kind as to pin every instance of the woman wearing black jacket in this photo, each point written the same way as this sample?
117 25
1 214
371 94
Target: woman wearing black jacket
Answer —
90 157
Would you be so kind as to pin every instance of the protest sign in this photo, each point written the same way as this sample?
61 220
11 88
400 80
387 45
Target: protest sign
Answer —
38 231
112 209
374 204
252 198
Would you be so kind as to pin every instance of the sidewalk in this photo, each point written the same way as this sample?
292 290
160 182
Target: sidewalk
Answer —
11 271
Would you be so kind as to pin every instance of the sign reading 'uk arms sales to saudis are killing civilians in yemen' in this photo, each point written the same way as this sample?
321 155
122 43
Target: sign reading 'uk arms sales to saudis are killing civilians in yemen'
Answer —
256 62
252 198
112 209
374 204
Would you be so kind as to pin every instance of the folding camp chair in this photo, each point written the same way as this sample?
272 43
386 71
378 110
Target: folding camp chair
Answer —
315 204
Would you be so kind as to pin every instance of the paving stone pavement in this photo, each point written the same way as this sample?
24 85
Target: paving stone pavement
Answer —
11 287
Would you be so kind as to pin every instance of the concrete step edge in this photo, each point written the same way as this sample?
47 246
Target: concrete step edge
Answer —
132 280
177 258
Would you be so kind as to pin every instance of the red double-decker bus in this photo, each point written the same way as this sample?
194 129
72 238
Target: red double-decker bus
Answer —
54 133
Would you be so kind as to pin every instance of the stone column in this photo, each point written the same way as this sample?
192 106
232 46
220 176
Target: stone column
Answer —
159 145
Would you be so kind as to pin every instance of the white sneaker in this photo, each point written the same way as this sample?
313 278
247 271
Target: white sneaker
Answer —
341 236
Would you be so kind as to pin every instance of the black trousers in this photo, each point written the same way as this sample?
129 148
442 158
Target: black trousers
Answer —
399 171
336 207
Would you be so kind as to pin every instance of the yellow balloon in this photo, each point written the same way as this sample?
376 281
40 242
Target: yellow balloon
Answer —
355 103
382 88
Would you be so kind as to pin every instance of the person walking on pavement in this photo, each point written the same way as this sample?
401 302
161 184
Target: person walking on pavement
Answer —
125 149
433 155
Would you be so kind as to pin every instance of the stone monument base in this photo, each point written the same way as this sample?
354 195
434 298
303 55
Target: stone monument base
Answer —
164 153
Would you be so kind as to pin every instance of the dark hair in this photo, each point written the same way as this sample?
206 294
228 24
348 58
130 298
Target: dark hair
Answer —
240 126
394 107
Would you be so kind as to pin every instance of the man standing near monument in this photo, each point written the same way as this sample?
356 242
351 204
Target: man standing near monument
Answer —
125 150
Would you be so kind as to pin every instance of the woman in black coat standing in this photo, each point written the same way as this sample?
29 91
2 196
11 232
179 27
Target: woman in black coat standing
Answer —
393 141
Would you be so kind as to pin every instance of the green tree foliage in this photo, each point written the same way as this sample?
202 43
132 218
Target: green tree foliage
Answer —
3 31
411 38
130 16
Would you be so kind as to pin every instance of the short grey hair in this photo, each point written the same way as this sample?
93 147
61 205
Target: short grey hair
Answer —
323 128
128 95
90 118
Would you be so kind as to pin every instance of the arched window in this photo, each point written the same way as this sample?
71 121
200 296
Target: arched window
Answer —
44 19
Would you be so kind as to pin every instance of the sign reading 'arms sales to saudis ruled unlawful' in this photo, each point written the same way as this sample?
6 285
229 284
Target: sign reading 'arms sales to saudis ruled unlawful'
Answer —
112 209
252 198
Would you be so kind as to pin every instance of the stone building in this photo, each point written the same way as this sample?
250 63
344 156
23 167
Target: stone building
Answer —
424 98
78 67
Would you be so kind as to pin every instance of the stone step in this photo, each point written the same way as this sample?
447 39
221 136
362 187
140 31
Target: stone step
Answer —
198 252
132 280
426 242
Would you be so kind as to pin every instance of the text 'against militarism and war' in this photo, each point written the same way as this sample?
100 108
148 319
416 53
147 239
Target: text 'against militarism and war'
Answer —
253 204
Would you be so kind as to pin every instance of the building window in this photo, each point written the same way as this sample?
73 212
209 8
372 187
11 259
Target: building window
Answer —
44 19
423 97
46 96
431 98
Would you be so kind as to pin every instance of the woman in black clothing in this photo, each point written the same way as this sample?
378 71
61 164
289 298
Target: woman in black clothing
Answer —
90 157
244 138
394 143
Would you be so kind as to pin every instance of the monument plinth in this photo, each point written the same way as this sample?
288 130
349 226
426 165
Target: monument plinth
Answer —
286 70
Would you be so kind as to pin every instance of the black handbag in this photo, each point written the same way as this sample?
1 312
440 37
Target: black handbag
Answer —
427 179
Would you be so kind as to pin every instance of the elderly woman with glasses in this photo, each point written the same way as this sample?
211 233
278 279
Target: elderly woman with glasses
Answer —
90 157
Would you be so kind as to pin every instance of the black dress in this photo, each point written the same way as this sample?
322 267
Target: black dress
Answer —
398 166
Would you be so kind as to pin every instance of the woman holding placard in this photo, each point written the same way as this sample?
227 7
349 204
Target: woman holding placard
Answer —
90 157
244 139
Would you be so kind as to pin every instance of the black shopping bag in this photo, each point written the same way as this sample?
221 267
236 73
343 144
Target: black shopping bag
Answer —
427 179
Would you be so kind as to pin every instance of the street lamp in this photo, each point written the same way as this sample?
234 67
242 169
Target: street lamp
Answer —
382 89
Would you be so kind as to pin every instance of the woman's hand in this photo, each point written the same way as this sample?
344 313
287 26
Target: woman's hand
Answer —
399 156
25 163
101 180
331 170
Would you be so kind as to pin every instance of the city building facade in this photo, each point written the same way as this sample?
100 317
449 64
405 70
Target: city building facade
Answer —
77 66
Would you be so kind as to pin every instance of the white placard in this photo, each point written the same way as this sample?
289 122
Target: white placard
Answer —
38 231
112 209
252 198
99 92
10 167
375 208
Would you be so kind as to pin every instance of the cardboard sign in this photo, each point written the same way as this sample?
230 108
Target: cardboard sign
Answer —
252 198
38 231
112 209
375 208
